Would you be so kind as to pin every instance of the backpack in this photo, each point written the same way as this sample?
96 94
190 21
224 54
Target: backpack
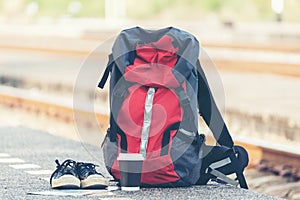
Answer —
157 88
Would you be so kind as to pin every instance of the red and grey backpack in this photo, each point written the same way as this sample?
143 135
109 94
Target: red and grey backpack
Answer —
157 88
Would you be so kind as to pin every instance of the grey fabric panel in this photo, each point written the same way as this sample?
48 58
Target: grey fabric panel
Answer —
127 40
220 163
147 121
188 133
110 152
185 158
223 177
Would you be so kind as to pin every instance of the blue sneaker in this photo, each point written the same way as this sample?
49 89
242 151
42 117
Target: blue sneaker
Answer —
65 176
89 177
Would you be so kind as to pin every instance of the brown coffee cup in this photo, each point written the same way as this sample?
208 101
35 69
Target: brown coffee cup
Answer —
130 171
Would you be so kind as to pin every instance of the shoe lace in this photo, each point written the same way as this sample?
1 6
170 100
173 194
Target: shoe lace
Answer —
64 167
88 169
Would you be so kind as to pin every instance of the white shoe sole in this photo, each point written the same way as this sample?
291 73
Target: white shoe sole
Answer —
94 182
66 182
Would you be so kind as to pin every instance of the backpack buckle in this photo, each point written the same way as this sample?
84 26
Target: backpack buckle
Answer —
185 101
183 97
120 92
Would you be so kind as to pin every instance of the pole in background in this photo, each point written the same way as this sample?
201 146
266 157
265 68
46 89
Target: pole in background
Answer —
277 7
115 10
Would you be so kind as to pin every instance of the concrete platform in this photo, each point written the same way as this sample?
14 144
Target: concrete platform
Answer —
20 145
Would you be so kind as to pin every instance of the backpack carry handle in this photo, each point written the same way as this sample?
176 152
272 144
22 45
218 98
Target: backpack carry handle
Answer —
106 72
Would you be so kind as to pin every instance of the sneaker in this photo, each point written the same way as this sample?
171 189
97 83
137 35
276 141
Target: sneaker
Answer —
65 176
89 177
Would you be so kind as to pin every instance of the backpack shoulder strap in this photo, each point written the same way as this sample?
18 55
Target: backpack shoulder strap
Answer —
213 118
210 112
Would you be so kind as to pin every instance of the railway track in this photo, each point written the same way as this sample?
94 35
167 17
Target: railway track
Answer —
86 44
271 170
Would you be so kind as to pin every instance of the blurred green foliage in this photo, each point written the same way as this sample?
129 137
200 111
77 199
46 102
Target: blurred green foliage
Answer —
246 10
58 8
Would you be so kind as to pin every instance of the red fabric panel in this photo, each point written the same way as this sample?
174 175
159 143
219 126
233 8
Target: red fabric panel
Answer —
153 75
160 52
153 64
152 67
156 170
164 171
166 111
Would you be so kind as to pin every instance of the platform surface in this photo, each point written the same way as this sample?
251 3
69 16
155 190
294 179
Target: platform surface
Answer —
21 145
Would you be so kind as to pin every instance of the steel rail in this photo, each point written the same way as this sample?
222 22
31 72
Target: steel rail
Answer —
86 48
55 108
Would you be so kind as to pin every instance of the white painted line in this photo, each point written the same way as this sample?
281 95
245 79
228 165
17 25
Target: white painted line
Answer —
11 160
39 172
4 155
253 55
25 166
